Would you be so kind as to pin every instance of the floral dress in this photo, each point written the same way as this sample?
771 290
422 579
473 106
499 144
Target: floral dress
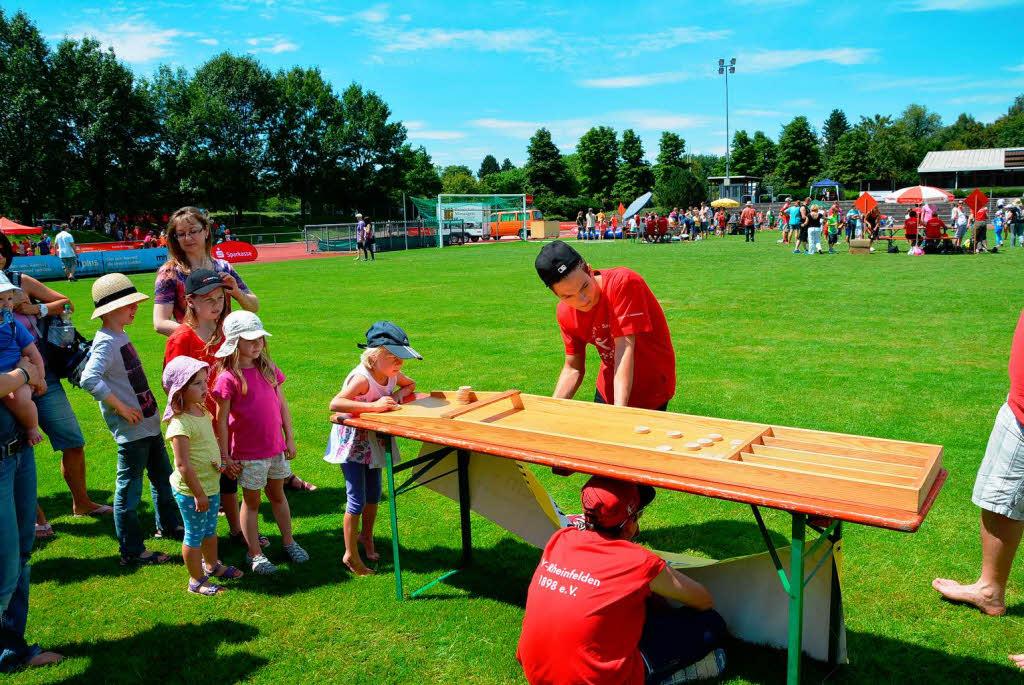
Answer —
358 445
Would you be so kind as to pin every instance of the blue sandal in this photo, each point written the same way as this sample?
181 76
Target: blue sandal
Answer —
201 587
227 572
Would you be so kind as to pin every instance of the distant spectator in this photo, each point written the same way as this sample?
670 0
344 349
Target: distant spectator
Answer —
591 221
66 252
580 224
747 222
981 230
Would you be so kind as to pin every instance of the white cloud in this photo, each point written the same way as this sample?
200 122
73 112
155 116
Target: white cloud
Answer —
135 39
666 39
419 130
404 17
955 5
636 81
568 131
1019 67
375 15
776 60
987 99
278 47
208 41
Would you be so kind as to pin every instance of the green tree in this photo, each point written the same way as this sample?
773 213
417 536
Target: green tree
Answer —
850 162
743 158
671 148
487 167
30 150
893 155
635 176
966 133
765 155
546 173
799 157
505 182
232 102
371 162
835 126
679 188
421 177
506 165
922 129
458 179
598 153
304 137
1008 130
169 93
107 124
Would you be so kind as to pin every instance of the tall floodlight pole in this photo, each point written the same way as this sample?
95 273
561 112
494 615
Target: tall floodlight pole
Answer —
725 70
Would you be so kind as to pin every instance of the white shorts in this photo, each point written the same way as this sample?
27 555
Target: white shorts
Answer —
256 472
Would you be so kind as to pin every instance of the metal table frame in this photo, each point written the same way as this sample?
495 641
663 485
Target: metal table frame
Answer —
830 535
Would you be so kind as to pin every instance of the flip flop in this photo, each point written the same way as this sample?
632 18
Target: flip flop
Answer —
296 483
45 531
98 511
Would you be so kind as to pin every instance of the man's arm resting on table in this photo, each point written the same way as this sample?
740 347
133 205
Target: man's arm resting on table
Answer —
625 356
671 584
571 377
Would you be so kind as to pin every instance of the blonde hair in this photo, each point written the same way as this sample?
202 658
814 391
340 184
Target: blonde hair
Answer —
192 321
175 252
262 363
372 355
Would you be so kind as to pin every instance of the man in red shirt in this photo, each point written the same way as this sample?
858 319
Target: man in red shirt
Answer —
910 227
614 310
934 233
662 228
747 222
997 491
587 617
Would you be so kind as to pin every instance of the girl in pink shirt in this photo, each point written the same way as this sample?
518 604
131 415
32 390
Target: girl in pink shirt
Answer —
255 430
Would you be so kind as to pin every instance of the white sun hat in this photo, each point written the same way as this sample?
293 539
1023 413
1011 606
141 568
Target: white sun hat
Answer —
113 291
240 324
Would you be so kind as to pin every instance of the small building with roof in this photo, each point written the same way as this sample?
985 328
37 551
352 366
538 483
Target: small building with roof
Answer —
993 167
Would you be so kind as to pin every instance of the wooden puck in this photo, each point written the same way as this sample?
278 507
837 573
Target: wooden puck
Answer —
674 434
704 442
641 429
692 446
664 448
714 437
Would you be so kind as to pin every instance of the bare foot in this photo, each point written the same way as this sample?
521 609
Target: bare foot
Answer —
357 566
970 594
1018 659
45 659
367 543
33 436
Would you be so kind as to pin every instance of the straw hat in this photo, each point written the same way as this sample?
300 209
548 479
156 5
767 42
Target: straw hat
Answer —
113 291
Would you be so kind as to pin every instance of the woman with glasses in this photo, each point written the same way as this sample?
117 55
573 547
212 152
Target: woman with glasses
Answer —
189 242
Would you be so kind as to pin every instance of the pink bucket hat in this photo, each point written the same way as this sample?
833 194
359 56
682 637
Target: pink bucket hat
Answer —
178 372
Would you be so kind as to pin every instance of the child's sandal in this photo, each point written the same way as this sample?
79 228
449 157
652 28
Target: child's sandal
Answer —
296 553
201 587
153 559
227 572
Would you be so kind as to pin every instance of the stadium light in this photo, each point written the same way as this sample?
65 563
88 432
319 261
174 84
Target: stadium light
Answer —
726 69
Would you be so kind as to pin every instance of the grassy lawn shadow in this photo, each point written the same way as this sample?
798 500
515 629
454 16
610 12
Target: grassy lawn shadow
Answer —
69 570
721 539
168 653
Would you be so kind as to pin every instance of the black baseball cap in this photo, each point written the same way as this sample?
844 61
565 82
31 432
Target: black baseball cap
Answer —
203 281
555 261
392 338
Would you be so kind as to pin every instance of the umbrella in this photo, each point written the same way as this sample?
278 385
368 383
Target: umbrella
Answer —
725 202
915 195
637 205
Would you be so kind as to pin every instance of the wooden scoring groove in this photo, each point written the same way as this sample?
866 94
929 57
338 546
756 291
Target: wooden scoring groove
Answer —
465 409
874 455
911 472
827 470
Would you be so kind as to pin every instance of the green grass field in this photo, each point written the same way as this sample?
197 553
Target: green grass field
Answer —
885 345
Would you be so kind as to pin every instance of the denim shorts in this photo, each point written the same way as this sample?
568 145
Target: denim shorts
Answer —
999 487
56 419
69 262
198 525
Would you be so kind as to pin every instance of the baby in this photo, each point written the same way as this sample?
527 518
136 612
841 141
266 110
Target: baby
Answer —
15 342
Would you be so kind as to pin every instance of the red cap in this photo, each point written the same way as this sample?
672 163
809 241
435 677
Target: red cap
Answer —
608 503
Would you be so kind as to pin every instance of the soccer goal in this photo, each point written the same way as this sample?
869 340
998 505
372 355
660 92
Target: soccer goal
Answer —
466 218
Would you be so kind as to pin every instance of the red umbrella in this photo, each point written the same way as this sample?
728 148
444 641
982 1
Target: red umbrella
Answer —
8 227
915 195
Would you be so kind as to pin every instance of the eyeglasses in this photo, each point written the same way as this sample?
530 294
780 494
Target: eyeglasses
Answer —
193 233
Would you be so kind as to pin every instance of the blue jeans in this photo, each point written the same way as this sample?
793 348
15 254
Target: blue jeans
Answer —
17 533
133 457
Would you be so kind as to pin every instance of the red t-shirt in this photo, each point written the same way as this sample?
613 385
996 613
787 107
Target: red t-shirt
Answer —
585 611
981 214
662 225
627 307
747 216
1016 397
933 227
184 341
910 225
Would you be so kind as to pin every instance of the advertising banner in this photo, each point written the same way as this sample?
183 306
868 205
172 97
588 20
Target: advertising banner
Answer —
93 263
235 251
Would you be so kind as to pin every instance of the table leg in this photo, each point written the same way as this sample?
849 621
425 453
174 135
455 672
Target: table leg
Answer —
796 599
835 610
464 503
393 502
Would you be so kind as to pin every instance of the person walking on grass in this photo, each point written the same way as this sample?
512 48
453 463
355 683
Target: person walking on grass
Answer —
796 229
813 224
66 252
747 222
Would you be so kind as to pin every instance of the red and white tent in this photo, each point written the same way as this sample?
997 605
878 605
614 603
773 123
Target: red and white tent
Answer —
915 195
8 227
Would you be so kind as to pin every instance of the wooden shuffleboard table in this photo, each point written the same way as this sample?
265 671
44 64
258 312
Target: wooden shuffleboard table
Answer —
821 479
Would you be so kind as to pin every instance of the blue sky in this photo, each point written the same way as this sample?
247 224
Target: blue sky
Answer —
472 78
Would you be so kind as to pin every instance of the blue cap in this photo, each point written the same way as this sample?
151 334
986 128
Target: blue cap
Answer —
392 338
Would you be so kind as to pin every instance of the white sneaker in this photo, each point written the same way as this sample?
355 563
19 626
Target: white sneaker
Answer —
711 666
872 249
